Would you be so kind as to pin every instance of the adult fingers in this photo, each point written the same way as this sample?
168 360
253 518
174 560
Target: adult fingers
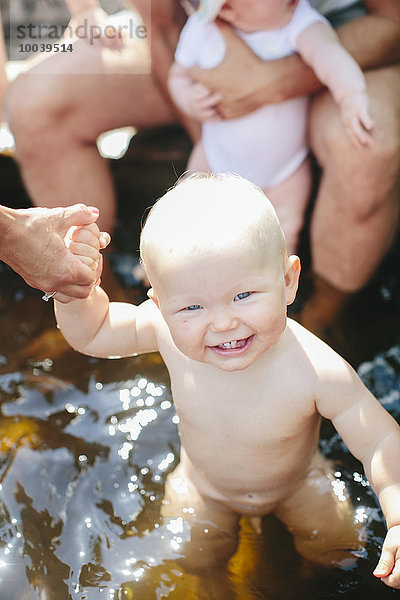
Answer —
64 298
79 214
75 292
80 271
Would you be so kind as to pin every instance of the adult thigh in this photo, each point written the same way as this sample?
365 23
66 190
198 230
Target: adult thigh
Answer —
370 173
88 91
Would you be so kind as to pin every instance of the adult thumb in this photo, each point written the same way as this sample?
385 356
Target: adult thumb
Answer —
80 214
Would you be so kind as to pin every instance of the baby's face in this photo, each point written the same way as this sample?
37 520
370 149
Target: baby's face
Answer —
256 15
227 311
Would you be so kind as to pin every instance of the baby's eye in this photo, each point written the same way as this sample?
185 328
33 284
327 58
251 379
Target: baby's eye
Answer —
193 307
242 295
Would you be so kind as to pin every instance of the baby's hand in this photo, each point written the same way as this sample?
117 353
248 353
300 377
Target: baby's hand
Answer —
86 243
388 568
356 118
202 102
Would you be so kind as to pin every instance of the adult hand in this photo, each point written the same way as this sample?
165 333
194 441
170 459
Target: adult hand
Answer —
246 82
240 78
85 244
32 242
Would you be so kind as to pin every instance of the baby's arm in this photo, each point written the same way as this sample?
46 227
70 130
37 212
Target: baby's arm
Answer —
373 437
95 326
320 47
194 99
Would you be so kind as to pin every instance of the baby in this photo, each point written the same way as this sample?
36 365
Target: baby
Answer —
249 384
268 146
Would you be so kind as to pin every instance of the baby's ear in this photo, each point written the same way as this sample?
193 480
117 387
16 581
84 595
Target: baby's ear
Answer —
292 275
152 296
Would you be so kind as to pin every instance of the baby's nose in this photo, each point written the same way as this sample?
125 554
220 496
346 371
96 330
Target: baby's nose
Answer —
223 320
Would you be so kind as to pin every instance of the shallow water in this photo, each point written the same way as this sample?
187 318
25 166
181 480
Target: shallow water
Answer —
85 447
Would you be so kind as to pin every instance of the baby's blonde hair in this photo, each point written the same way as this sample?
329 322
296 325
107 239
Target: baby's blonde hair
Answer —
206 214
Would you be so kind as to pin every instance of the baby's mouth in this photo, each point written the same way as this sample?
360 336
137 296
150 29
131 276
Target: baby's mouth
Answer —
234 344
233 347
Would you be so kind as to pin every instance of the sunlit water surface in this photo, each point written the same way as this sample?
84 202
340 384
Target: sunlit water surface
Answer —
85 447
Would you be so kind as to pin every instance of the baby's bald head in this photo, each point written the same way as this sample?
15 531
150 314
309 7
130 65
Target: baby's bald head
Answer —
205 216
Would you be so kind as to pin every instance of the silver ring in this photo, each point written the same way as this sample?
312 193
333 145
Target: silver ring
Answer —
47 297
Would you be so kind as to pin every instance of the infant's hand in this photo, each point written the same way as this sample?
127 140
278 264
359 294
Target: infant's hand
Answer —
202 103
356 118
86 243
388 568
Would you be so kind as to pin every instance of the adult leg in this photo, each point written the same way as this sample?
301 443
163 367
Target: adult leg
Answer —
357 207
56 116
290 199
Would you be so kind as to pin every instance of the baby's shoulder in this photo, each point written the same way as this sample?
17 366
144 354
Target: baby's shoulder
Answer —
151 313
315 352
162 333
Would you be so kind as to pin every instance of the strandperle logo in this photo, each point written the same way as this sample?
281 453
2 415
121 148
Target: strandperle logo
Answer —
120 40
90 32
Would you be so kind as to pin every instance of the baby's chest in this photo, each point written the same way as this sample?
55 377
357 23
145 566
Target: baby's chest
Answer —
261 410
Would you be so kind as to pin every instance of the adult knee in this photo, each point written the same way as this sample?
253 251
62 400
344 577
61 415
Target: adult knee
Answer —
33 113
371 172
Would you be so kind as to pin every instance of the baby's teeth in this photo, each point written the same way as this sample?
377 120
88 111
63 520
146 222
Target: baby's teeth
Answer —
229 344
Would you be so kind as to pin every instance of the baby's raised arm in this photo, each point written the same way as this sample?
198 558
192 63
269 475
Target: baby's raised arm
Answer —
321 48
373 437
95 326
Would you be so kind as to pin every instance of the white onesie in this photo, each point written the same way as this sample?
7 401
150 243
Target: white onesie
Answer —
267 145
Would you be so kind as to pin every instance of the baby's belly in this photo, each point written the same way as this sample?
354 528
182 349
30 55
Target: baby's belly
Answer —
249 495
265 146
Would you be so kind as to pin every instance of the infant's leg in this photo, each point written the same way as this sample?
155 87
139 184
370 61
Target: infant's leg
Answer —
321 523
290 199
211 529
198 160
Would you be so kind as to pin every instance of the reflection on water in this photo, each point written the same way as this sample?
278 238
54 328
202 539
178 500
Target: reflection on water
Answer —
85 447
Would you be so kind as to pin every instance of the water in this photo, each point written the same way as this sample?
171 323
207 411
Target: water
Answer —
85 447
